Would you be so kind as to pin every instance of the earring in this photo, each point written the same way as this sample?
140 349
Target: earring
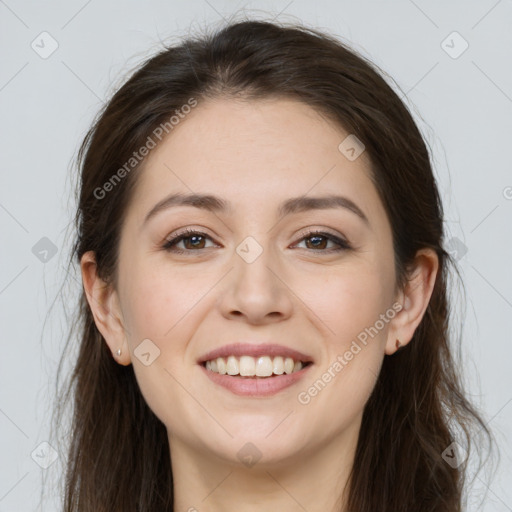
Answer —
399 346
118 352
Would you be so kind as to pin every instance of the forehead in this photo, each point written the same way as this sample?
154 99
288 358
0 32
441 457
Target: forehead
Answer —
255 154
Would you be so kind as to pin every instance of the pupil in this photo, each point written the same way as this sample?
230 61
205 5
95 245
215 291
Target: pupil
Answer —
195 239
318 239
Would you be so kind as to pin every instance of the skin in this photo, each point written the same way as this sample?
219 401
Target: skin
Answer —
256 154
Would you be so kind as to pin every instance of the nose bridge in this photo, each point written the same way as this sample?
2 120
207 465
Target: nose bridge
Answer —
253 263
255 289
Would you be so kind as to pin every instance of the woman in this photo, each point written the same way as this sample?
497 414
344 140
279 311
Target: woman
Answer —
264 323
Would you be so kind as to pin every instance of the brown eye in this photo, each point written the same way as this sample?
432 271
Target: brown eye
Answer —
192 240
318 241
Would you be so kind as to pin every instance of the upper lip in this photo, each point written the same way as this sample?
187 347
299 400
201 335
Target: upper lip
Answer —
254 350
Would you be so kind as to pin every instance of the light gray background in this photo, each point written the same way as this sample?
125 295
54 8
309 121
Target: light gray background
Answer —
46 105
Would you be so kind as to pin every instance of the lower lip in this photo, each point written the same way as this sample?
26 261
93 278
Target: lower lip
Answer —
256 386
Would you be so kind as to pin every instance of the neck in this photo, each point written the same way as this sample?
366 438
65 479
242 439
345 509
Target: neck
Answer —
312 481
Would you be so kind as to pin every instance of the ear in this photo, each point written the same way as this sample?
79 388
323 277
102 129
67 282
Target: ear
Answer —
104 303
414 299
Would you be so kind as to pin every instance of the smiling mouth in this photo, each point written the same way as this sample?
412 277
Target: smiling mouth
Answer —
251 367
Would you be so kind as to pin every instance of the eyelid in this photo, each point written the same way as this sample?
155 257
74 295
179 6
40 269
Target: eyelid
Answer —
189 230
321 230
340 241
177 236
202 231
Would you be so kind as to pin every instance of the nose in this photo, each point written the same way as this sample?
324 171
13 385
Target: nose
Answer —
257 291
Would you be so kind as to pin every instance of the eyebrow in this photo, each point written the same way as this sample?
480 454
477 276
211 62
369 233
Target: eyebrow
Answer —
216 204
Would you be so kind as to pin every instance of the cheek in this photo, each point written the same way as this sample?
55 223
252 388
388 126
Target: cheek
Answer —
160 299
164 306
349 301
354 304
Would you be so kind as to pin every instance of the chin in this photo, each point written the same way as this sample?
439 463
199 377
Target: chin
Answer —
257 446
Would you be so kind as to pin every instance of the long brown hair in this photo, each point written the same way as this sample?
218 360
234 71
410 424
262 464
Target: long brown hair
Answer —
118 456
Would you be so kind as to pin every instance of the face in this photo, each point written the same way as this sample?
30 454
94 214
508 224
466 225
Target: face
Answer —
312 281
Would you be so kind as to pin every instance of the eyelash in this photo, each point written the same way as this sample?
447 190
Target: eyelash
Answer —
189 233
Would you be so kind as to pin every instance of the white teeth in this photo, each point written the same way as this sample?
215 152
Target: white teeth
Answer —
221 365
264 366
232 367
247 366
278 365
288 365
